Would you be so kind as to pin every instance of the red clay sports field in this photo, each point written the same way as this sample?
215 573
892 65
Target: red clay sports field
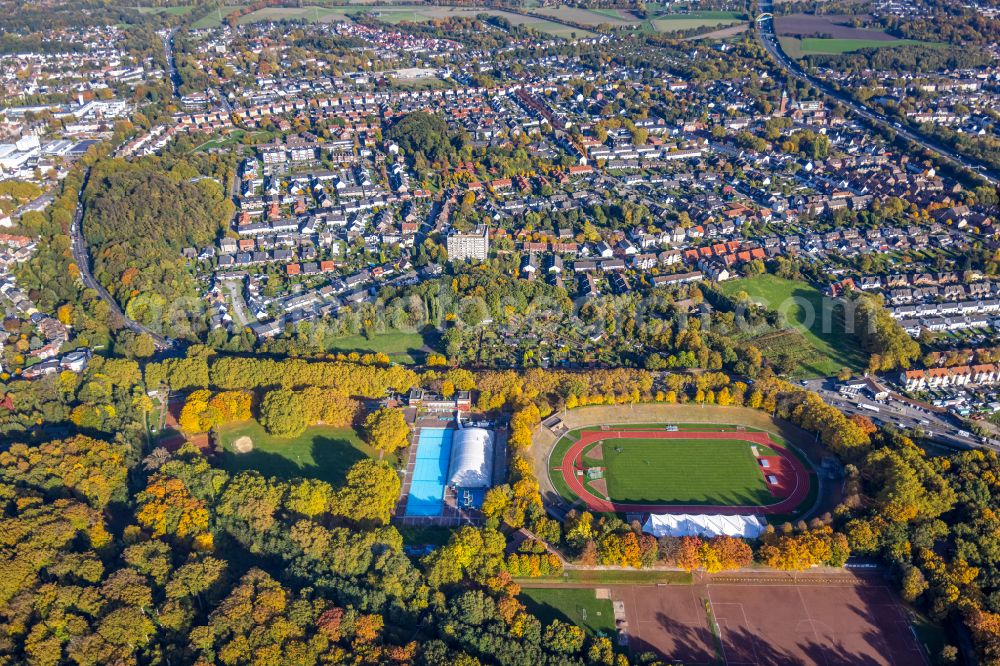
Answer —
790 490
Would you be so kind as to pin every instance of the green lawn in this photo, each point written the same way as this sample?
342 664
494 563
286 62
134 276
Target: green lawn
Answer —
684 471
806 310
576 606
321 452
401 346
797 48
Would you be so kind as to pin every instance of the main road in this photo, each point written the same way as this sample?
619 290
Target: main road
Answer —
81 256
168 53
768 39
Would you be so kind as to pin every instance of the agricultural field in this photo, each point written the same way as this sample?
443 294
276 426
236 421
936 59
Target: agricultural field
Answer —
312 14
806 34
398 13
683 471
817 319
173 11
797 48
591 17
577 606
321 452
705 19
214 17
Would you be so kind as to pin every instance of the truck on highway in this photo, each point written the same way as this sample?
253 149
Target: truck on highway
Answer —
870 408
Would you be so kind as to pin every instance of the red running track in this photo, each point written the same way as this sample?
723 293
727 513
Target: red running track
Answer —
792 487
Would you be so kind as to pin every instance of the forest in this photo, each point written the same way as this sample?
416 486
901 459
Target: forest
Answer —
146 555
138 218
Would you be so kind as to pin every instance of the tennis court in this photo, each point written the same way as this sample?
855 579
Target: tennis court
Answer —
426 496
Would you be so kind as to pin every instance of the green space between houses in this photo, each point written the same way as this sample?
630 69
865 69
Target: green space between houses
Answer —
576 606
805 309
684 471
321 452
400 346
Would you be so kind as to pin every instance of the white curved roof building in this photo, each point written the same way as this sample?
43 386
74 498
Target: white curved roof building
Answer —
471 458
682 524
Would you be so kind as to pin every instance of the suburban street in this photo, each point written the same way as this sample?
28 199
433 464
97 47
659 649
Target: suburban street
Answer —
81 255
168 53
769 40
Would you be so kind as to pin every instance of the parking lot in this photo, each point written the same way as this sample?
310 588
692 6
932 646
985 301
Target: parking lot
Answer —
940 426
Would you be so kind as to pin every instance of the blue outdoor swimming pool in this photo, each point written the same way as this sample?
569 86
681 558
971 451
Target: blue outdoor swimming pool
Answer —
426 497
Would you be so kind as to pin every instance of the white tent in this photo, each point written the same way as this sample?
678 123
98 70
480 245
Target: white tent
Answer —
685 524
471 458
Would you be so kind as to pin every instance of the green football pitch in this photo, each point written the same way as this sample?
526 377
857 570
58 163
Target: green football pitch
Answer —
683 471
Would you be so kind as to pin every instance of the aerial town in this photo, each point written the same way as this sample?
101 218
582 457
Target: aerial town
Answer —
595 334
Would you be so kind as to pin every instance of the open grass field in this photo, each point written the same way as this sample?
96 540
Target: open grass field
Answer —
310 13
806 310
411 13
589 17
398 13
684 471
797 48
401 346
321 452
213 18
670 22
576 606
832 34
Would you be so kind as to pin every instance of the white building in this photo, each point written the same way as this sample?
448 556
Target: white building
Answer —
704 525
471 463
475 245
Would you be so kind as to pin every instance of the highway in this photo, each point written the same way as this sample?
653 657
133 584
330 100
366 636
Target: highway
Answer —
768 39
81 256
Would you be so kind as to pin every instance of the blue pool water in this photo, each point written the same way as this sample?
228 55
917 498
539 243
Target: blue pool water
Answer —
426 497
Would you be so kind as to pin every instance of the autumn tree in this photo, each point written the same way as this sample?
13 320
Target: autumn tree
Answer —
387 430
